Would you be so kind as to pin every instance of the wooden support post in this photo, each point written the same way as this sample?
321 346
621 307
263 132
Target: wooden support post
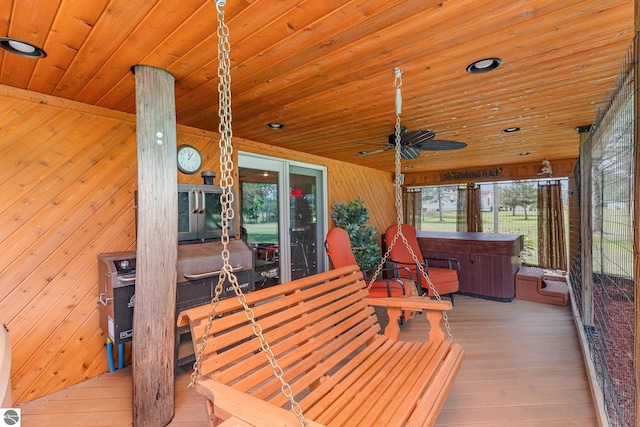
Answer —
636 206
157 250
586 230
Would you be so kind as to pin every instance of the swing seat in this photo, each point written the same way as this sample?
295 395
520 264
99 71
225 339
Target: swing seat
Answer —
323 332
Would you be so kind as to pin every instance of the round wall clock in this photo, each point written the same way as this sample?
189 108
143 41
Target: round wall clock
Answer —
189 159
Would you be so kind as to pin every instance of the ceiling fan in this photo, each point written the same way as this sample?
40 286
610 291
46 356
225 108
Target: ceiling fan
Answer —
412 143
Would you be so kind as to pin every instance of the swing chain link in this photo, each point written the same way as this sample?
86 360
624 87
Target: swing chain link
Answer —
226 199
399 211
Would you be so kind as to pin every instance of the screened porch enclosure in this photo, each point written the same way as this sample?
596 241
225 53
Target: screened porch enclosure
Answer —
504 207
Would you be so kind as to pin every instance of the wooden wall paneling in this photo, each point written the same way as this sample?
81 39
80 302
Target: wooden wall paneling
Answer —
51 366
375 188
59 185
108 172
67 211
65 286
86 343
56 303
51 335
41 169
20 136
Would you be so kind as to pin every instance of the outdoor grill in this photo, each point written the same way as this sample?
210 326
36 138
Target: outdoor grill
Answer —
199 266
117 277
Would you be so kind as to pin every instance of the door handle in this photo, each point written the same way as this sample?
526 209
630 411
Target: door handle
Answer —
196 203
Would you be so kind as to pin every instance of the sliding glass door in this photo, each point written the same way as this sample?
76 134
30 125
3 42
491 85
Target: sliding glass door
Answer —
283 206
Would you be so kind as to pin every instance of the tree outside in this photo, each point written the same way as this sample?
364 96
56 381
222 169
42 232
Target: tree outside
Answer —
519 194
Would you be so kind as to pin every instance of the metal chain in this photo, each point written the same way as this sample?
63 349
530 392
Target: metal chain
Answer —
226 199
399 213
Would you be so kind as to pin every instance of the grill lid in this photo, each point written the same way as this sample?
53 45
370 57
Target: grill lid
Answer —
203 260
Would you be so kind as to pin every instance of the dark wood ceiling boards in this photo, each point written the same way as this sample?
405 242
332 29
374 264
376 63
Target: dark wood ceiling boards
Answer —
325 68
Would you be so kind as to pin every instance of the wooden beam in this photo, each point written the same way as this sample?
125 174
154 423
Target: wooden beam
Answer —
562 168
636 206
586 230
157 250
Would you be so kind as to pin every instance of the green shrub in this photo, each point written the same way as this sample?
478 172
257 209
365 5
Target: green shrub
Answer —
353 217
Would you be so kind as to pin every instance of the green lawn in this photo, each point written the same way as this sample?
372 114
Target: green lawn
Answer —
264 232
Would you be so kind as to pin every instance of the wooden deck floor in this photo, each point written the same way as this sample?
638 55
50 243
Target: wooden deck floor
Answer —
523 367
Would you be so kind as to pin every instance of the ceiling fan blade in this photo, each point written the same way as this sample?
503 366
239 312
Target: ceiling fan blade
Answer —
368 153
441 145
409 153
417 137
408 139
372 143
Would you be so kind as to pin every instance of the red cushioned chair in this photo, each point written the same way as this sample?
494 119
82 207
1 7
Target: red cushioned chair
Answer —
340 254
444 279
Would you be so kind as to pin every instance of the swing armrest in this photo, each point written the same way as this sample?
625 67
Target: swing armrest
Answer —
387 281
229 402
433 311
397 267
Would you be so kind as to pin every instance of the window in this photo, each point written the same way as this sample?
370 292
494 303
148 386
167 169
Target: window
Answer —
506 207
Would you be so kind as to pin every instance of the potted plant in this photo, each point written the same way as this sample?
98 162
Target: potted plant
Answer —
353 217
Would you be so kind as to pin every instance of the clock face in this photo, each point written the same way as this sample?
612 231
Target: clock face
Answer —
189 159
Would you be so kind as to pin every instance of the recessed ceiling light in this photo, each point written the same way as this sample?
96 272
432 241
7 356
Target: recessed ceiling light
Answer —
484 65
275 125
21 48
510 130
524 153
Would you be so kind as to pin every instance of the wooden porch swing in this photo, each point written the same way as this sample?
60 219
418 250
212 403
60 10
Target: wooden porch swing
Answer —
316 357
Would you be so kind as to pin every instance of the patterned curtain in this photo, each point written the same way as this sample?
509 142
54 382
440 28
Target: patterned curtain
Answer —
551 238
469 217
412 207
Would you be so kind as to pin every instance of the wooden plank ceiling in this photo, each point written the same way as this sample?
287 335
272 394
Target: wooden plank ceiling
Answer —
325 68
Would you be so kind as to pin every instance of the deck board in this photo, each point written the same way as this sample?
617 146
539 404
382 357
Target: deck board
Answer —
522 368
